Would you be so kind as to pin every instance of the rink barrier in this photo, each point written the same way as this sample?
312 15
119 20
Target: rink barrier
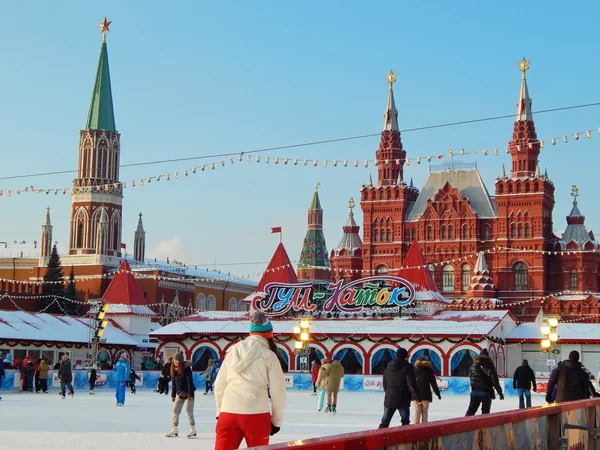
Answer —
544 428
294 382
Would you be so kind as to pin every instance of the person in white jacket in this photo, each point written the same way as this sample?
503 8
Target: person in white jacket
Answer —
250 389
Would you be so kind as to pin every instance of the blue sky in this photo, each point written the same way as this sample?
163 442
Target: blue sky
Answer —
217 77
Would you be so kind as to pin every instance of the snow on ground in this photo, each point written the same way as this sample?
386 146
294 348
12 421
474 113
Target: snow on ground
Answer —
94 422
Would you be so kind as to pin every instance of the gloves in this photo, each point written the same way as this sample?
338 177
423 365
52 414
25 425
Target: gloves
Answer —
274 430
597 394
548 398
501 396
534 389
439 396
173 399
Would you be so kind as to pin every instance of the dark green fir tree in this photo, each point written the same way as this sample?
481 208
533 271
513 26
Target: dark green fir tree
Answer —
54 282
71 294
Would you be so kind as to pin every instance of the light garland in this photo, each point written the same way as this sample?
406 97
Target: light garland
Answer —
288 161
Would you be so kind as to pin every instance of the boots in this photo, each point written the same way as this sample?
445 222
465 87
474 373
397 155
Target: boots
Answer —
328 409
333 409
173 433
192 434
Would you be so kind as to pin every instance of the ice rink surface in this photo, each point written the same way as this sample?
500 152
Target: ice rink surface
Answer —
94 422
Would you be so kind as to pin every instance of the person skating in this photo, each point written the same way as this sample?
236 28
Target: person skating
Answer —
182 394
483 379
400 386
121 377
29 373
334 374
315 368
426 381
42 374
250 389
570 380
322 384
66 376
166 377
208 386
523 382
132 377
92 380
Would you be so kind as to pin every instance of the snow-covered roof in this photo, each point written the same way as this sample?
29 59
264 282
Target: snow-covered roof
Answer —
445 323
122 308
566 331
42 327
467 182
26 249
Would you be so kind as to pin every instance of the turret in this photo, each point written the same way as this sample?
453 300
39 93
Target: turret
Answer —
46 242
139 241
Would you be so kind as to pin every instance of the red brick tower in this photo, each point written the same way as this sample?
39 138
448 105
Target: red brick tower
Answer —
97 194
346 258
384 205
525 201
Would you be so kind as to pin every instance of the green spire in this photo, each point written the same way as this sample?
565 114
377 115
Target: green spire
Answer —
316 203
101 115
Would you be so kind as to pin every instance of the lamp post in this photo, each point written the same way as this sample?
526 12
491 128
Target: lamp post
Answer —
302 346
550 332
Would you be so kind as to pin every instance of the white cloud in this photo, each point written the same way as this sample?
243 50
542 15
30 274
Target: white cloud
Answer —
173 248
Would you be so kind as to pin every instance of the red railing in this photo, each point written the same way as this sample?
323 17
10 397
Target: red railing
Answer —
382 438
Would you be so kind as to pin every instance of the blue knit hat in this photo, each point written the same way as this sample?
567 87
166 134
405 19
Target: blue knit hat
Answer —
484 352
260 325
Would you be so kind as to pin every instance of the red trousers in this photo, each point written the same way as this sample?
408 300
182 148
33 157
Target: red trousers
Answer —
232 428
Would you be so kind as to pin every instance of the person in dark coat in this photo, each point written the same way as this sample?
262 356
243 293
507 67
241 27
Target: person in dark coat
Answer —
571 381
166 378
92 380
523 381
65 375
425 382
132 377
400 386
182 393
484 379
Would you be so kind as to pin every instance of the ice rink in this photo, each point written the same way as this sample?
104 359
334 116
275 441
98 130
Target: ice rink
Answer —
94 422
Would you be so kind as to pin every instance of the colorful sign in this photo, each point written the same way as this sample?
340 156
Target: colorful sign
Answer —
379 294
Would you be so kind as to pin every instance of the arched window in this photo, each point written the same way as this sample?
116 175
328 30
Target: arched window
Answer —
433 356
380 195
351 360
513 231
448 279
380 359
450 232
375 235
382 270
80 235
520 233
233 304
465 232
201 302
212 303
461 362
413 235
202 355
573 281
388 237
527 230
520 277
486 232
443 235
429 233
518 188
242 306
466 277
432 271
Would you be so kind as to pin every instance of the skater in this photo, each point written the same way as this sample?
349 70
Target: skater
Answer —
334 374
92 380
215 370
570 380
483 379
121 377
322 384
132 377
208 376
425 382
43 376
66 376
399 385
182 394
8 361
251 375
166 376
29 373
523 381
2 373
315 368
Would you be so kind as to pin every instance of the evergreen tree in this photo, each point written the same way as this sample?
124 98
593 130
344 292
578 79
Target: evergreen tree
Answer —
71 294
54 281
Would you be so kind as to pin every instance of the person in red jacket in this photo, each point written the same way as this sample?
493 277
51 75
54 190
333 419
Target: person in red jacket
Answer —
315 374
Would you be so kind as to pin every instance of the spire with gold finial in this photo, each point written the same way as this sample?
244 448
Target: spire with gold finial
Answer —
524 102
390 122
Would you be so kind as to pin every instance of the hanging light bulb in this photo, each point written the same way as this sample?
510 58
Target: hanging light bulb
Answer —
185 173
231 160
325 163
553 140
248 158
418 160
566 139
541 144
176 175
355 163
202 168
450 152
366 163
240 158
305 162
408 162
588 134
212 166
267 159
258 159
141 182
345 163
576 136
285 162
168 177
334 163
276 160
496 152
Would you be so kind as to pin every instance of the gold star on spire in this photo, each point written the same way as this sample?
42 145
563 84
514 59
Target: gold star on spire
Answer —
391 78
104 28
523 66
575 191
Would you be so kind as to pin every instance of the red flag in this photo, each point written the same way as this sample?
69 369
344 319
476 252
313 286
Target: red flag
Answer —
123 245
276 230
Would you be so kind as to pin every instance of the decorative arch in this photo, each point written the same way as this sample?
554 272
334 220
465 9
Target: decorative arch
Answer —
465 231
359 353
520 274
203 351
380 355
429 233
474 348
201 301
184 347
448 278
435 355
233 304
81 228
501 361
114 231
211 303
285 356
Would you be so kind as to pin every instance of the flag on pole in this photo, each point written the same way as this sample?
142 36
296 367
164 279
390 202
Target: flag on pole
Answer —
275 230
123 245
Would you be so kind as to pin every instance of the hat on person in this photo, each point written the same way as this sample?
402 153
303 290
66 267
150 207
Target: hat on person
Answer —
574 356
402 353
123 355
484 352
179 357
260 325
